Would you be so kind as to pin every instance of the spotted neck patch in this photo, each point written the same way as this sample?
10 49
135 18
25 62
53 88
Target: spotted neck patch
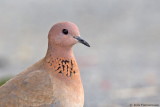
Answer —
66 67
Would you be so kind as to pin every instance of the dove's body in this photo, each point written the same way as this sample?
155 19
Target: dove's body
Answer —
55 80
41 85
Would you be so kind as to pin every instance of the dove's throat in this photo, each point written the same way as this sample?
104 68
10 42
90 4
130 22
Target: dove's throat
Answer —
65 52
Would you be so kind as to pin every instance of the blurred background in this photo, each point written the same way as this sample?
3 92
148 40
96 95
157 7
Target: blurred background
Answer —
122 67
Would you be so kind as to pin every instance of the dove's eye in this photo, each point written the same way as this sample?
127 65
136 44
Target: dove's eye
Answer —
65 31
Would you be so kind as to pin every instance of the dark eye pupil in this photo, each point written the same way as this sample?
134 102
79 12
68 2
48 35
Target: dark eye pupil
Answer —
65 31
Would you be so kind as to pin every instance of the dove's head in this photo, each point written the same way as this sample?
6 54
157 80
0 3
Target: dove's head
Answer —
65 34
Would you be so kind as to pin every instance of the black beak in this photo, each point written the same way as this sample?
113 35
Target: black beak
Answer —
81 41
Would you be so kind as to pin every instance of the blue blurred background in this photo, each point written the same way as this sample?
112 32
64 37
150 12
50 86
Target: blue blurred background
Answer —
122 67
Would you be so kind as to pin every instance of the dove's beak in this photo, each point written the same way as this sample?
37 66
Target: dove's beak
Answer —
81 40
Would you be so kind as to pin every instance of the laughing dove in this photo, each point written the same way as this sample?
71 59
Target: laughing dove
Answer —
54 81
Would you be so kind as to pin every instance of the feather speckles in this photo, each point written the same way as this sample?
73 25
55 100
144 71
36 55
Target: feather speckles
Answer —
64 66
